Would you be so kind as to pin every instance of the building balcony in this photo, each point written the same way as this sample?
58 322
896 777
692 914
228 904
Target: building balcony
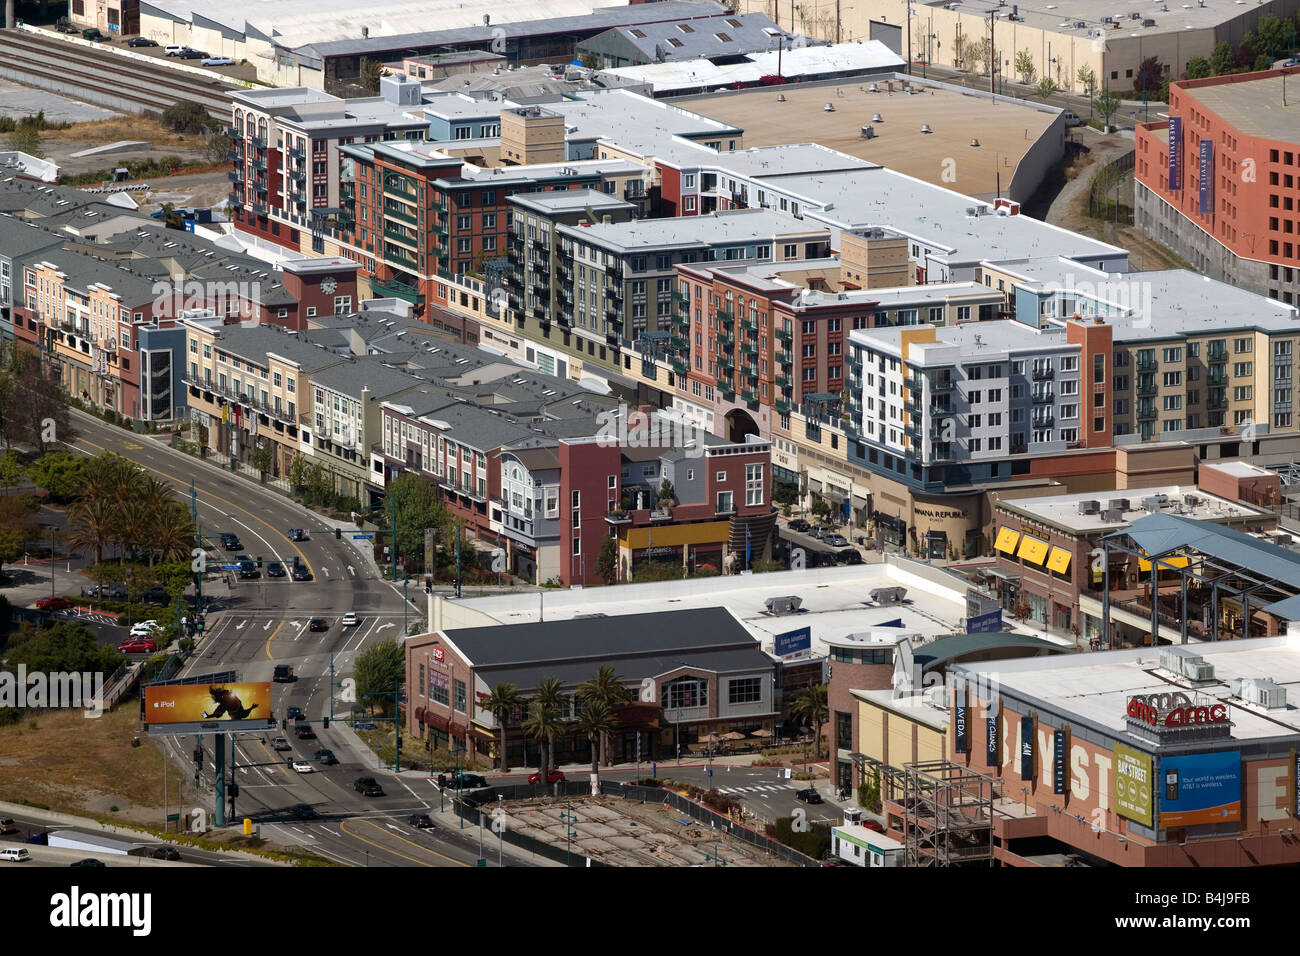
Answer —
438 206
236 201
784 337
258 141
1043 421
259 165
749 348
400 216
782 380
397 235
236 176
782 406
235 156
1216 353
259 187
748 395
1146 412
1218 375
725 315
397 256
233 134
941 385
681 299
396 186
1145 365
913 383
1146 390
681 321
618 517
725 387
1042 397
259 208
1216 402
298 154
679 366
299 176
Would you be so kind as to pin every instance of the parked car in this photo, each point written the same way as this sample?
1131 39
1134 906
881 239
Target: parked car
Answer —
53 604
176 49
300 573
90 861
166 853
304 732
137 646
141 41
283 674
298 534
94 36
808 796
798 524
15 854
304 811
281 743
188 54
818 531
65 27
464 780
295 713
421 821
848 556
106 591
552 776
350 619
274 569
303 766
229 542
1071 119
145 628
217 61
326 756
837 540
367 787
318 624
874 825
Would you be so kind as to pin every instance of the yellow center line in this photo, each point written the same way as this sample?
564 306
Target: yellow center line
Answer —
391 835
271 638
215 497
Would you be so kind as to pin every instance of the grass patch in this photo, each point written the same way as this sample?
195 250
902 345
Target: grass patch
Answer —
249 844
414 754
126 128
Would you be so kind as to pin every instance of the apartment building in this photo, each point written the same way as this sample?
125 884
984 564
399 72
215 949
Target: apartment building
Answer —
19 243
1215 181
285 154
249 388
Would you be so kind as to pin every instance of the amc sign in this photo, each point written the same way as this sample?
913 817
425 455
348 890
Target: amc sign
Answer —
438 653
1139 709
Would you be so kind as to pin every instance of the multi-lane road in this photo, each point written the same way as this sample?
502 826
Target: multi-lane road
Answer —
264 622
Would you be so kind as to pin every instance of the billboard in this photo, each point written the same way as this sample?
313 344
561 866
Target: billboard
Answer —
224 703
1132 776
792 642
1200 788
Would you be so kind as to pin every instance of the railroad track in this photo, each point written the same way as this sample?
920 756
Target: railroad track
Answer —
105 79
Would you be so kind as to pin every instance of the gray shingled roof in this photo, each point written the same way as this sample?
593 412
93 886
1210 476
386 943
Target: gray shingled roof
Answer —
709 37
19 238
253 343
350 376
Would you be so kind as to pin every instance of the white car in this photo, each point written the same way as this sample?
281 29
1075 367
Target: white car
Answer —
350 619
303 766
146 629
217 61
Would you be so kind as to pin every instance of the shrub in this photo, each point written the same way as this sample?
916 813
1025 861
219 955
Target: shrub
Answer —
815 843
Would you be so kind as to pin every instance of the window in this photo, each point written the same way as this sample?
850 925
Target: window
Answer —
754 484
725 505
459 688
438 682
684 692
745 690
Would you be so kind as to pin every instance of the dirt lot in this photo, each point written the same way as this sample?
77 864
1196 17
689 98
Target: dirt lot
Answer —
628 833
60 144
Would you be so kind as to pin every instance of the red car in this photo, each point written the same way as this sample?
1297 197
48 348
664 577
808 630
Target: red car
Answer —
53 604
554 776
873 825
136 646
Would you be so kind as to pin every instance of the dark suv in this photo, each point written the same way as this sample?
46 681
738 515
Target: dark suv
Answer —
283 674
230 542
368 787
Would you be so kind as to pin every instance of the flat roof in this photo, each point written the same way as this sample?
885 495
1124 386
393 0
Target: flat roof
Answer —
1061 16
835 601
917 707
976 341
714 229
1006 129
1239 469
570 200
1062 511
1095 687
1254 105
635 123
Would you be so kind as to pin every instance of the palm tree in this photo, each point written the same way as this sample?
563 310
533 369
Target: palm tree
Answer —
171 534
541 724
595 720
549 697
501 704
811 705
607 688
91 523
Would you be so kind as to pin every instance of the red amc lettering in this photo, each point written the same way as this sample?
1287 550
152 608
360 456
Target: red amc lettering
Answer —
1144 712
1185 716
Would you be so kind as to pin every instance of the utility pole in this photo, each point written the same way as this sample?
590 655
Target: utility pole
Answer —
993 52
394 538
460 529
909 37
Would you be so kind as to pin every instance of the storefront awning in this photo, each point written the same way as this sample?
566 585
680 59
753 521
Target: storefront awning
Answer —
996 572
1032 550
1058 560
1166 563
1006 542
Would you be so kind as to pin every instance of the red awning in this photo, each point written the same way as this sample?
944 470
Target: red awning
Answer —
419 714
435 720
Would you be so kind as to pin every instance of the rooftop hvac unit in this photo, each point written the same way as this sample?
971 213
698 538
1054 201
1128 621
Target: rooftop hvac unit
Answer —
1152 503
925 128
1265 693
938 696
1282 539
1135 16
888 595
873 88
1112 514
868 132
828 108
778 606
1088 507
1192 501
1107 20
1186 662
1199 671
1122 504
1148 22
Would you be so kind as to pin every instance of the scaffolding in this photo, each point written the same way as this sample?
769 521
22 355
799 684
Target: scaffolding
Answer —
947 815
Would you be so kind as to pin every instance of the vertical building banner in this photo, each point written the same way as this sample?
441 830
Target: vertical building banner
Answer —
959 719
993 759
1206 176
1059 749
1175 153
1027 747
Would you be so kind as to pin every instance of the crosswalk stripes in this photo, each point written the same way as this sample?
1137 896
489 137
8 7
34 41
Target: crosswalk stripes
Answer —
755 789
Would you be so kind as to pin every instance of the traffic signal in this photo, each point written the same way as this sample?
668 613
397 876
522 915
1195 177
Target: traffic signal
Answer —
233 790
198 755
338 533
326 723
259 560
284 724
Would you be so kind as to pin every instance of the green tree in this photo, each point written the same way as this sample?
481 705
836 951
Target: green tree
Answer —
1262 62
418 506
1198 68
1107 105
1270 36
379 670
37 416
1223 59
811 706
171 534
26 138
262 459
1085 77
16 526
217 146
1025 66
91 522
297 473
820 508
12 468
548 699
371 72
667 493
65 646
1046 87
502 703
542 724
186 116
589 60
605 688
595 721
1150 74
607 560
60 473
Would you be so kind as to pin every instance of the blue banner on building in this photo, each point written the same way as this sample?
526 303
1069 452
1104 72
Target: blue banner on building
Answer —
990 623
991 754
1058 762
792 642
1026 748
1175 152
1207 177
959 718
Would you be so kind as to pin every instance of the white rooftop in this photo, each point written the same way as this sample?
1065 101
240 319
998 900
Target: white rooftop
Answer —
1239 469
835 601
1096 687
1189 501
715 229
976 341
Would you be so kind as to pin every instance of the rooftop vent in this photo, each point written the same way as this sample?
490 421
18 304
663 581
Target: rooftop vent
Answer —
925 128
779 606
975 143
887 595
829 108
877 118
780 97
1186 663
1089 507
868 132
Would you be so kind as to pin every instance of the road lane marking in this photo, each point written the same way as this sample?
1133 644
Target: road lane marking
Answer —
271 638
385 849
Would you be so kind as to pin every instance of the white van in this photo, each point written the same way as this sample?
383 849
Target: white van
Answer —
1071 119
173 49
15 854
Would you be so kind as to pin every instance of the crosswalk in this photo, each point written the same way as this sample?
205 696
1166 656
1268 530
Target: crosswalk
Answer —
755 789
